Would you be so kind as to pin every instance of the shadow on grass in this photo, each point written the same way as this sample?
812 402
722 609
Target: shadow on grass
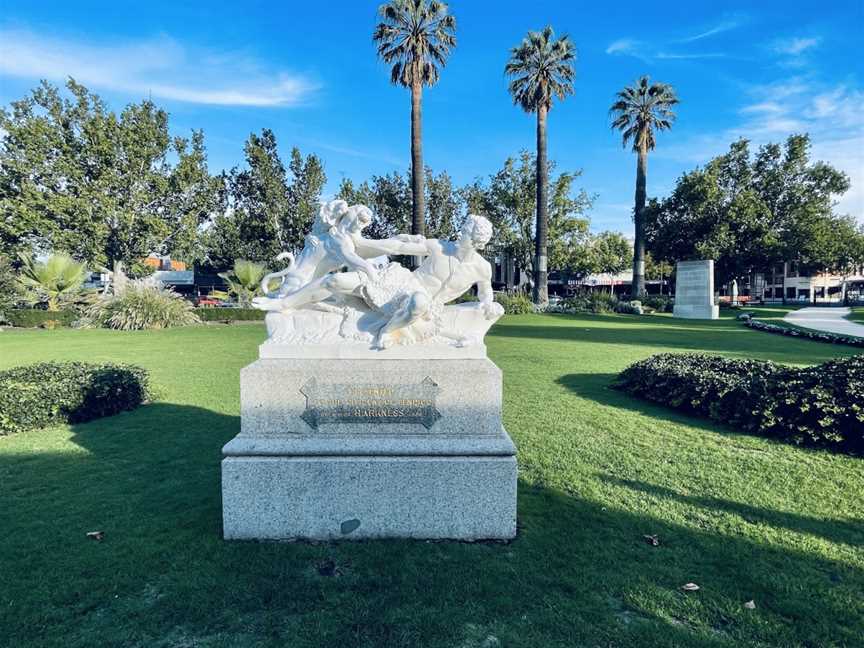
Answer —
722 336
579 572
839 531
598 388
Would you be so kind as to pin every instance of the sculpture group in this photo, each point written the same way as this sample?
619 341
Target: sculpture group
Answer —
372 410
339 289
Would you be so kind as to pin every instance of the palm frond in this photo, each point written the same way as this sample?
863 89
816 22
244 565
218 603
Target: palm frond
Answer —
416 37
642 109
541 68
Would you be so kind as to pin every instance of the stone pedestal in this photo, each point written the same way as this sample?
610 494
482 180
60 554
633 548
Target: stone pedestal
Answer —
361 448
694 290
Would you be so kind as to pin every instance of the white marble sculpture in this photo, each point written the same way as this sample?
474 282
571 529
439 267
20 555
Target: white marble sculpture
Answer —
334 300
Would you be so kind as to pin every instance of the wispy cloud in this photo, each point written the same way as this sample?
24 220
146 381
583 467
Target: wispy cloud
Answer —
160 66
668 50
830 114
724 26
794 46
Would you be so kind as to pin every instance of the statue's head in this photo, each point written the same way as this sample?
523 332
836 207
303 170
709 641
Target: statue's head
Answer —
329 216
476 229
356 218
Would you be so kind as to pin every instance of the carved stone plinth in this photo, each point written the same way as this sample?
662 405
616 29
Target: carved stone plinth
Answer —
359 448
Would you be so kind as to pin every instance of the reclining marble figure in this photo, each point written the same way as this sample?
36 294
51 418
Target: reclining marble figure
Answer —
333 292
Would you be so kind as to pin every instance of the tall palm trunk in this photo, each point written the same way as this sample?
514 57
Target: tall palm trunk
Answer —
541 286
638 285
418 208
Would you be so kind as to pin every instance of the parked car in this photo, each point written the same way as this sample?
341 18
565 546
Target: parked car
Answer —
207 302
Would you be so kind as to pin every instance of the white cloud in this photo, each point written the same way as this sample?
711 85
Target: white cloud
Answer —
719 29
161 67
794 46
831 115
623 46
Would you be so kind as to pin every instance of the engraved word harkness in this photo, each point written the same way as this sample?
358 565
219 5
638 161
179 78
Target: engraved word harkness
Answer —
342 403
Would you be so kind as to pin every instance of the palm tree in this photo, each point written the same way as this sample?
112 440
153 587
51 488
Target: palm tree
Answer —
56 281
244 280
416 36
640 110
541 68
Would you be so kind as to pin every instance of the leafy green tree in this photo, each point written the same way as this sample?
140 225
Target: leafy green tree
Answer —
304 198
244 280
659 270
541 68
10 288
75 176
611 253
416 37
55 282
266 209
750 213
389 198
508 199
639 111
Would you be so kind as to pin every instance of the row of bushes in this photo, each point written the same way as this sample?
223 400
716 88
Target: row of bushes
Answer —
819 336
230 314
132 318
34 317
818 406
51 393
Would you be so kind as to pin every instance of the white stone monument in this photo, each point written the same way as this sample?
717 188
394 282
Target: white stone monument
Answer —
373 410
694 290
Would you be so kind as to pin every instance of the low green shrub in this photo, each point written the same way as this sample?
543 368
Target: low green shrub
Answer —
816 406
230 314
141 305
515 303
660 303
818 336
39 318
51 393
591 302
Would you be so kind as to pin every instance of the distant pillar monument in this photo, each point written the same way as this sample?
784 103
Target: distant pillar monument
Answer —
694 290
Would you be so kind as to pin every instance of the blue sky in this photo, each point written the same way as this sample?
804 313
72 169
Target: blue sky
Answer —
308 71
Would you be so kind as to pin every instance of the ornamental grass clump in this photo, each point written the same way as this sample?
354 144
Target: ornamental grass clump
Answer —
141 305
816 406
51 393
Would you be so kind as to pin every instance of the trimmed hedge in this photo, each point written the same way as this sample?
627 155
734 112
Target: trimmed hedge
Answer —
818 336
51 393
35 317
816 406
230 314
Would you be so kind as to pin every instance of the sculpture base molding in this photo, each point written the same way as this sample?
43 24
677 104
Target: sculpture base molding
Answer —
327 498
696 312
359 448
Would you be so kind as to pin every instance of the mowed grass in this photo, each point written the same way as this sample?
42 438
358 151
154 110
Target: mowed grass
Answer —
856 314
743 517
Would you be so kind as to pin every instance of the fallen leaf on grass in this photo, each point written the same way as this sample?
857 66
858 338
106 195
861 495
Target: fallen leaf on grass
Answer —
690 587
653 540
750 605
96 535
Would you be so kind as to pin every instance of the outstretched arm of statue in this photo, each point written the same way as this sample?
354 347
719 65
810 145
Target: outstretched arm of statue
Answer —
402 244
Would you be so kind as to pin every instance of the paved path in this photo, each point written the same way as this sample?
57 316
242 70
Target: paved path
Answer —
825 319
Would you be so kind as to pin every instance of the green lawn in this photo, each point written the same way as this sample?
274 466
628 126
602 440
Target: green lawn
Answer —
743 517
857 314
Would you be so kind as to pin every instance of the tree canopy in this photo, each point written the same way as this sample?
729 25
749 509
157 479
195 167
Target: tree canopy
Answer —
748 212
77 177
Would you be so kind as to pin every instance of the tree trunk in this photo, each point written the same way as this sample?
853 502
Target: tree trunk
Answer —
541 285
418 205
638 285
